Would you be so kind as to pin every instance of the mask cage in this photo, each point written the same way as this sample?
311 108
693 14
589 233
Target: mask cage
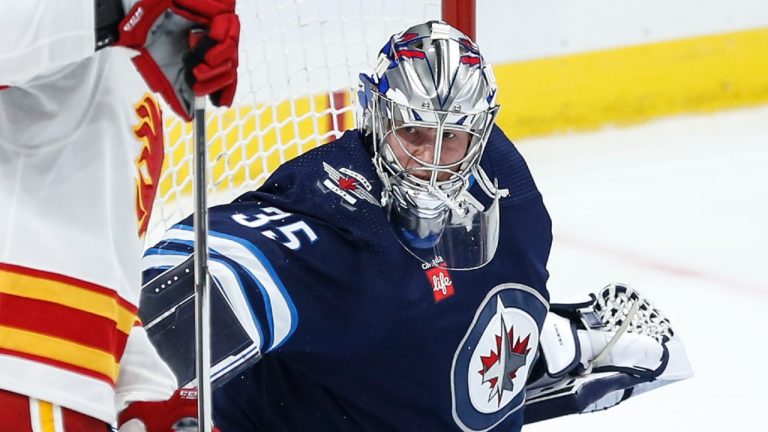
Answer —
388 117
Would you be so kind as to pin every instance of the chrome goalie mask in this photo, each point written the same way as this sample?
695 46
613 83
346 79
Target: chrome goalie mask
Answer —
429 108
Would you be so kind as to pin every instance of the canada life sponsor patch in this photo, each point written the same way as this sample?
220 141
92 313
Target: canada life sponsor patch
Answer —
492 362
350 185
440 280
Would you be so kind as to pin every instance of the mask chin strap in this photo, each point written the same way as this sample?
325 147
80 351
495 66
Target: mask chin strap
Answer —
445 199
490 188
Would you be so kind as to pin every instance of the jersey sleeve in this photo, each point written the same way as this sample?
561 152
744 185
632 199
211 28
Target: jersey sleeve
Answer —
40 36
251 251
243 269
143 375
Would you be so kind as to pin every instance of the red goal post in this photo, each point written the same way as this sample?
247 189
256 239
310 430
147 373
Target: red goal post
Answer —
297 81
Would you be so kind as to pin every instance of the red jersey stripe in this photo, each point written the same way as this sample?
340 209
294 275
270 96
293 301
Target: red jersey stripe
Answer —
67 280
44 346
43 286
62 322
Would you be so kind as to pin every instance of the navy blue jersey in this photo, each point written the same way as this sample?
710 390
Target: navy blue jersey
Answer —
356 333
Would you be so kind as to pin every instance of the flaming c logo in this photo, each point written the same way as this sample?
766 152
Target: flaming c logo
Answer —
149 164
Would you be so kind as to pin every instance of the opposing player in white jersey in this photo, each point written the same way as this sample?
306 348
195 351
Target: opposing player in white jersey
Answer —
81 149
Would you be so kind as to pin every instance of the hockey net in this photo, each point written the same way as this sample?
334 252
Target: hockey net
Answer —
298 75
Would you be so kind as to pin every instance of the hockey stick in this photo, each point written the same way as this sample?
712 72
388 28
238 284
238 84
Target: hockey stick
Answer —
202 281
201 277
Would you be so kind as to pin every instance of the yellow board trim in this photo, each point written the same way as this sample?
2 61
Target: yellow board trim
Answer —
67 295
58 349
585 91
633 84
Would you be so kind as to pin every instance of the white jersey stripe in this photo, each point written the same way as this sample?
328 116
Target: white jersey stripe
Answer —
34 415
280 309
162 261
228 280
234 293
58 418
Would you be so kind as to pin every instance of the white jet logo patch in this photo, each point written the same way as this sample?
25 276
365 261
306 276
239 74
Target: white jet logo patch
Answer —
349 185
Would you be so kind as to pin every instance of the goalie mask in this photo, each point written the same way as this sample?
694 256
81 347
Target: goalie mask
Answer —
429 108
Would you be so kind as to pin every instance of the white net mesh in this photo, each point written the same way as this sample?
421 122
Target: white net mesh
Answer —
299 62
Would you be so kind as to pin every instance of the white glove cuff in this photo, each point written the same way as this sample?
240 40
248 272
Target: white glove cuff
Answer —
558 345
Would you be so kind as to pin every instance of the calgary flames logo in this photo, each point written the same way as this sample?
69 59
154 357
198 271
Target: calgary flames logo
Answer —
149 164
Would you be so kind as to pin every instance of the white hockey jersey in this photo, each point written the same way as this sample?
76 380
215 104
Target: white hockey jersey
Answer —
81 150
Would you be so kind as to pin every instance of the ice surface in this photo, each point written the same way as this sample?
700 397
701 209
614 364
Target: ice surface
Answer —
677 208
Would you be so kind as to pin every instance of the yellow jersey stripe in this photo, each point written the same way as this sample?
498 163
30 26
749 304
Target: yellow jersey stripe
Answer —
45 410
69 295
60 350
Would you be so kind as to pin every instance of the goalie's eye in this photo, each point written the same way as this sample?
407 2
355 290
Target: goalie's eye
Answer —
413 132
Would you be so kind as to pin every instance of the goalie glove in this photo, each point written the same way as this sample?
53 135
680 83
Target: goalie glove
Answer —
177 414
596 354
172 66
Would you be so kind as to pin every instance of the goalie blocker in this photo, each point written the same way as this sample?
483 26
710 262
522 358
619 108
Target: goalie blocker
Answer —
167 309
596 354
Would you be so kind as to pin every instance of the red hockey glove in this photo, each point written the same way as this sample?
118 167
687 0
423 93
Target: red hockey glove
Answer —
160 31
179 413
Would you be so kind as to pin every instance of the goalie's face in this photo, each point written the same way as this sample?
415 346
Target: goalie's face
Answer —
426 169
428 110
418 149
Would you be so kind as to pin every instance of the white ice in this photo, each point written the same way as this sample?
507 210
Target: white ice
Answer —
677 208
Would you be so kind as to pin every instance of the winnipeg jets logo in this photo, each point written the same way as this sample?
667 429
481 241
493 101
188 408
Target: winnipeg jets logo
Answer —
349 185
500 367
491 364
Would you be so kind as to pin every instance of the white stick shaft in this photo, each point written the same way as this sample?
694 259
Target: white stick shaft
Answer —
202 280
